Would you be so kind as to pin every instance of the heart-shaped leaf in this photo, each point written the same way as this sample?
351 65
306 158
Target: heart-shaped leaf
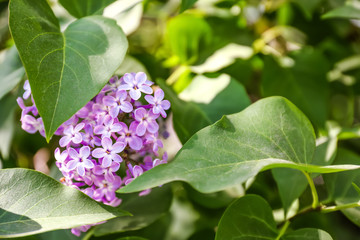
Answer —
31 202
83 8
269 133
250 217
61 66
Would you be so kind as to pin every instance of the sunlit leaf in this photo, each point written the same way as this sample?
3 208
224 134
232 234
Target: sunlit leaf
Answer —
60 66
269 133
31 202
347 11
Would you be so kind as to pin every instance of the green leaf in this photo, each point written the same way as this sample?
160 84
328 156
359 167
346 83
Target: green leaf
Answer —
186 4
131 238
307 6
347 11
145 210
60 66
11 71
269 133
340 185
303 83
184 42
292 183
7 125
250 217
308 234
83 8
31 202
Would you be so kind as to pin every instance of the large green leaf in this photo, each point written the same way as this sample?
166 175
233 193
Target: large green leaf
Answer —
83 8
270 133
251 218
347 11
61 66
185 4
145 210
304 83
31 202
11 71
339 185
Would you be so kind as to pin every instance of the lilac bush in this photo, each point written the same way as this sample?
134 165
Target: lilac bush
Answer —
117 126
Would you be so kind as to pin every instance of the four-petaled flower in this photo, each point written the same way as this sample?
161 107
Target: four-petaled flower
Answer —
72 135
108 152
136 83
128 136
118 103
107 127
159 105
80 160
146 120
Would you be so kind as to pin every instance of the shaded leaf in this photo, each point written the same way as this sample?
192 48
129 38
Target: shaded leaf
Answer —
269 133
303 83
347 11
250 217
60 66
11 71
31 202
83 8
144 209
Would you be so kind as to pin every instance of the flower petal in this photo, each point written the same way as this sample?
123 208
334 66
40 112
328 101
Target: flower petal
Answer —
106 162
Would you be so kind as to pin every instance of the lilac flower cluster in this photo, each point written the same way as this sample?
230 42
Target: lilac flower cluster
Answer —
114 127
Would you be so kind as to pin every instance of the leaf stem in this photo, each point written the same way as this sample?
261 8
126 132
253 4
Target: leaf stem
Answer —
340 207
315 203
283 230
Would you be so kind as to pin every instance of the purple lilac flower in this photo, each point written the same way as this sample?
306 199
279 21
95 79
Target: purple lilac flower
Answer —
108 152
128 136
107 127
80 160
118 103
146 120
112 126
27 89
159 105
71 135
136 83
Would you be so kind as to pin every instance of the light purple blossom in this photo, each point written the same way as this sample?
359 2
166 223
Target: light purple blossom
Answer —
71 135
80 160
108 172
118 103
136 83
128 136
159 105
32 125
107 127
109 152
27 89
106 189
146 120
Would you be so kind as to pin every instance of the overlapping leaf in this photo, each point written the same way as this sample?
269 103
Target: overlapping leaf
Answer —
31 202
270 133
251 217
83 8
61 66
